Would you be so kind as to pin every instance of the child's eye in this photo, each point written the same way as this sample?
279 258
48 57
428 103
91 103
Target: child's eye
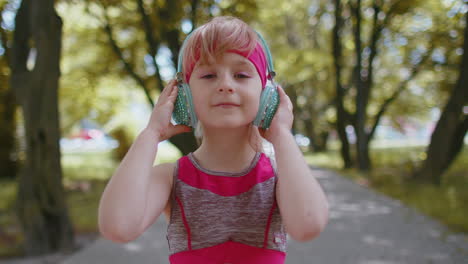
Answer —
208 76
241 75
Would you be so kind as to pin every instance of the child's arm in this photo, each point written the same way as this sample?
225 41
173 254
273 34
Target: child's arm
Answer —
301 200
137 193
123 204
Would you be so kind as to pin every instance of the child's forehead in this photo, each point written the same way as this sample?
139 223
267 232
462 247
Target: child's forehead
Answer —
229 58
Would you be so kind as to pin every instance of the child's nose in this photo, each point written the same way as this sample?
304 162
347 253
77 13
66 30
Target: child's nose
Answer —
226 84
224 88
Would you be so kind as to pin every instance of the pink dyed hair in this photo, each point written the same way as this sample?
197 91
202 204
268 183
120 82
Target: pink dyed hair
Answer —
208 42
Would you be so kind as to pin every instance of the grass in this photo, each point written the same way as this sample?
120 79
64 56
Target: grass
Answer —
391 175
10 237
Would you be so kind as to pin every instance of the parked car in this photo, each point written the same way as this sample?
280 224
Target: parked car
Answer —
88 140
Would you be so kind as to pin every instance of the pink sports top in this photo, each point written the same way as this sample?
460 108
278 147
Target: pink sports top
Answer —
221 217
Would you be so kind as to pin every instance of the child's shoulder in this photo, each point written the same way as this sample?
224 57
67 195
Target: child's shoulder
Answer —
164 171
165 166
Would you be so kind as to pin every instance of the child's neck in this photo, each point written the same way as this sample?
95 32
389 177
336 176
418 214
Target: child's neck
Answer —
226 150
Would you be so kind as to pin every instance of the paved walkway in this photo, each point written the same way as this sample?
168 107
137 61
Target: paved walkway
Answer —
364 228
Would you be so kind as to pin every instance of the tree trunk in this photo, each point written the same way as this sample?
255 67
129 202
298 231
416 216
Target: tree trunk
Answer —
8 161
457 143
292 93
447 138
340 110
318 138
362 97
41 206
8 148
310 133
321 144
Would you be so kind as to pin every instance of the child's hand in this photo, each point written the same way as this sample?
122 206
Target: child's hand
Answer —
160 120
283 119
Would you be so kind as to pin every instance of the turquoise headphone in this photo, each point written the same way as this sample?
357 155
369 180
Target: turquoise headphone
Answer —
184 111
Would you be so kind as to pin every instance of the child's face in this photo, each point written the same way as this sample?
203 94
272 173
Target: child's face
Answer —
232 79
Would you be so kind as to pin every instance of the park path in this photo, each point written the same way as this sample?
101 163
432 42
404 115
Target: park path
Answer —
364 227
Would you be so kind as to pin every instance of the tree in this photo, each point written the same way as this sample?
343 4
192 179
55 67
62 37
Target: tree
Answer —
41 206
341 113
8 159
449 133
156 25
366 35
297 39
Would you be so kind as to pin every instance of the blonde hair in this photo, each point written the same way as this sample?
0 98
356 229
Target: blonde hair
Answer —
208 42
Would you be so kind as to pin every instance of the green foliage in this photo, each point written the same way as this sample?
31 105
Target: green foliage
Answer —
10 235
94 79
91 85
399 7
300 35
87 166
95 83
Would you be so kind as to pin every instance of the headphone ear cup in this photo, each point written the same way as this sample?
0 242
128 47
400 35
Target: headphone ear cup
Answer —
184 111
269 101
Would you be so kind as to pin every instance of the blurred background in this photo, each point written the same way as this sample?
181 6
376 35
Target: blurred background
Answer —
380 94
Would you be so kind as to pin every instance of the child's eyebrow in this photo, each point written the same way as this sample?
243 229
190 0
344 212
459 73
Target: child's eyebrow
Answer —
237 62
241 62
244 63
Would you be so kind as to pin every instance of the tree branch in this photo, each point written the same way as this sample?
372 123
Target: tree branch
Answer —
357 38
109 31
401 87
193 13
376 33
375 37
173 35
20 52
153 45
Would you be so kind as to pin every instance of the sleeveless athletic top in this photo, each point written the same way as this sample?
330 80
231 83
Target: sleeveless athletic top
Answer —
225 218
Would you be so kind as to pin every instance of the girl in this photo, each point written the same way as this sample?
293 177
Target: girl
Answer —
226 202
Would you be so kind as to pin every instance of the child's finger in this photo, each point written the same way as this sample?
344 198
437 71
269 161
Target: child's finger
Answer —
284 98
173 94
169 87
281 91
282 95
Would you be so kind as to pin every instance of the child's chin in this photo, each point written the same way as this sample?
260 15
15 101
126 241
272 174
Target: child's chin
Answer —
231 124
